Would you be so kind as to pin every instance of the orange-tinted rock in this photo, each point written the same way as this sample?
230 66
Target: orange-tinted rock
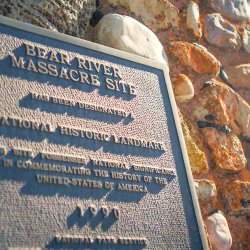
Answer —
228 108
237 196
195 57
226 149
183 88
196 154
240 230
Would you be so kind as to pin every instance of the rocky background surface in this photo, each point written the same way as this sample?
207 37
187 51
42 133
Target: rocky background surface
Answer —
207 44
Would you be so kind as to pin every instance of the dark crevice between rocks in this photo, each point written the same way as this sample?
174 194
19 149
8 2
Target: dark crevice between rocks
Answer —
207 85
97 15
244 138
210 117
216 211
221 128
244 203
224 78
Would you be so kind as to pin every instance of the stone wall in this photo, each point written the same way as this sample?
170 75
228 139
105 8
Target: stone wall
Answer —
208 44
208 48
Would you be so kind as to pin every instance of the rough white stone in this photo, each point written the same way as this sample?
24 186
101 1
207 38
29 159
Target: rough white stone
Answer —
239 75
220 32
246 40
183 88
155 14
69 17
193 19
218 231
127 34
205 189
238 10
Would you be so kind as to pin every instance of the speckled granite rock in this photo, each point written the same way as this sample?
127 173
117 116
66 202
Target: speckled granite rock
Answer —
237 196
156 14
219 233
226 149
121 32
234 9
193 19
228 107
183 88
220 32
69 17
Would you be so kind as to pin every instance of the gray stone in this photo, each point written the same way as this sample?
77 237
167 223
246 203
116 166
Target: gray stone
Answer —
127 34
193 19
69 17
246 40
238 10
220 32
239 76
205 189
218 231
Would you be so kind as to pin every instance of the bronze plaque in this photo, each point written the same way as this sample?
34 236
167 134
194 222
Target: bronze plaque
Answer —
92 155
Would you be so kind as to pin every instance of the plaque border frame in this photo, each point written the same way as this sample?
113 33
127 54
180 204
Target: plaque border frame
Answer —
137 59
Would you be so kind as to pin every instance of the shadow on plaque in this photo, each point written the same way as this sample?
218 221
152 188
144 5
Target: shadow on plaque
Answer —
67 140
95 246
73 111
